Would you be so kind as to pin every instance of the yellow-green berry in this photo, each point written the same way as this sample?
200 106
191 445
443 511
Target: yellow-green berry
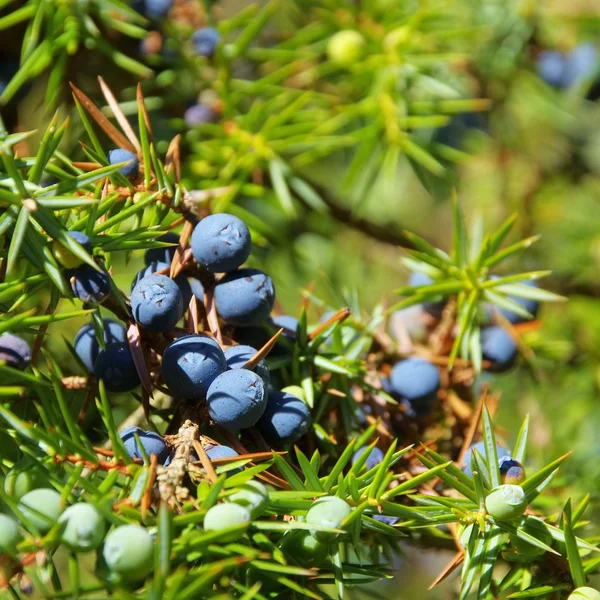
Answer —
506 502
64 256
396 37
345 47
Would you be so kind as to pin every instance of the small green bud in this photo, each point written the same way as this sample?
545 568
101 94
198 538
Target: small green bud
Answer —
10 535
506 502
253 496
129 552
585 593
41 507
345 47
223 516
329 511
85 527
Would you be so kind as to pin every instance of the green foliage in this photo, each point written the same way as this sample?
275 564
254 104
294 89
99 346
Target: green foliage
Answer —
315 520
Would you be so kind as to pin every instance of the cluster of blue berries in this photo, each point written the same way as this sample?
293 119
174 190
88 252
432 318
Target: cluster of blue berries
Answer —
203 42
498 346
220 244
195 367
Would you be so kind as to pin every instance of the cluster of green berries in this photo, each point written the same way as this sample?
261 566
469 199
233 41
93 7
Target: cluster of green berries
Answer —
127 550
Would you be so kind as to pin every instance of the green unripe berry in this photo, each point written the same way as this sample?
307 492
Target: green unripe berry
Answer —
295 390
345 47
585 593
525 548
306 548
42 507
329 511
129 552
10 535
85 527
223 516
506 502
253 496
24 477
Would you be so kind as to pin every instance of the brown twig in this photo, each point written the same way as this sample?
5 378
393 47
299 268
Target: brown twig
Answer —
101 465
388 233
